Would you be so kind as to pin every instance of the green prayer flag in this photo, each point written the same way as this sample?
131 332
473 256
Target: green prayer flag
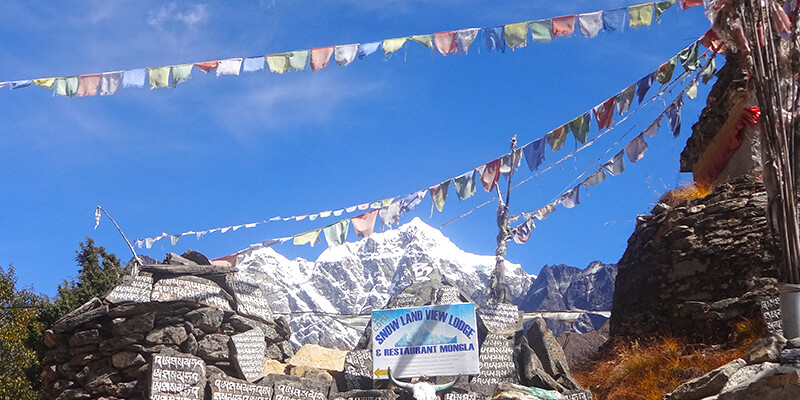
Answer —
66 87
689 57
174 239
278 63
465 185
336 233
439 194
640 15
541 30
516 35
392 45
425 40
664 72
580 128
181 73
298 59
159 77
708 71
661 6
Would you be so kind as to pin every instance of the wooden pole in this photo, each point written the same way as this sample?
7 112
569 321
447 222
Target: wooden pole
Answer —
498 292
136 261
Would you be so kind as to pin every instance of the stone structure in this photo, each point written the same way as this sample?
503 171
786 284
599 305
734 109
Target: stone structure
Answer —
697 269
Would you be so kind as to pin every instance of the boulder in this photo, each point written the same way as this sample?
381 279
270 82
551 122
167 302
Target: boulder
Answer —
142 323
550 354
765 349
315 356
772 383
510 391
708 384
207 319
90 310
127 359
84 338
214 347
274 367
167 335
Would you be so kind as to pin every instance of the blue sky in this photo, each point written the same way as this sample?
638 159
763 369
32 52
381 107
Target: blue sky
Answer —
222 151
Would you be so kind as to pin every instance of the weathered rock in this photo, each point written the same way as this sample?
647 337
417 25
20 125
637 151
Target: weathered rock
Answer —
225 387
184 266
767 381
74 394
214 347
532 372
196 257
314 356
369 395
207 319
274 367
190 346
51 339
707 385
550 354
282 327
510 391
357 372
127 359
191 289
167 335
292 387
314 374
83 338
765 349
142 323
92 309
271 335
247 353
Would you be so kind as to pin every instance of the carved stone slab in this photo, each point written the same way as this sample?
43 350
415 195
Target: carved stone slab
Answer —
286 387
447 295
358 370
193 289
500 318
405 300
223 388
771 310
177 376
579 395
365 395
248 353
136 290
250 299
497 364
464 396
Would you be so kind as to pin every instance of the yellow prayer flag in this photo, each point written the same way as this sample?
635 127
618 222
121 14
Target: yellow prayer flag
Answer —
640 15
310 237
46 83
392 45
278 63
386 202
159 77
324 214
516 35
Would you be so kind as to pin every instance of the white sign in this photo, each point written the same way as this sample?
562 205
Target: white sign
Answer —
437 340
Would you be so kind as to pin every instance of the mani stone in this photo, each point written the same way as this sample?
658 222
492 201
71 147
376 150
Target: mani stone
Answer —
192 289
577 395
316 356
447 295
178 376
132 290
227 388
365 395
286 387
250 299
248 353
405 300
501 318
358 370
771 310
496 364
463 396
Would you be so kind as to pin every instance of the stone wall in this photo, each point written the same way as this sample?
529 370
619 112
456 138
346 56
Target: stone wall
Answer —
695 270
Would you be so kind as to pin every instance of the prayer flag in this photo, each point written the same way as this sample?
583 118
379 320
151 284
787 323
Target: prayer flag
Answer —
689 57
446 42
253 64
298 59
534 153
46 83
542 30
661 6
523 231
712 42
625 98
616 165
392 45
691 91
21 84
181 73
375 204
636 148
338 213
110 83
385 202
364 224
133 78
231 66
325 214
563 26
614 20
465 185
425 40
490 175
664 72
310 237
278 63
708 71
439 194
510 161
206 66
571 198
66 86
365 49
300 217
580 127
173 239
3 84
312 217
644 85
87 85
390 214
412 200
543 212
595 178
345 54
466 37
673 114
159 77
494 39
653 128
556 138
363 207
516 35
336 233
640 15
351 209
250 225
604 113
686 4
591 23
320 57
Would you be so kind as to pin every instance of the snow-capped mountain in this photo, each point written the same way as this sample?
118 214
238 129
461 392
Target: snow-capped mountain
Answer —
357 277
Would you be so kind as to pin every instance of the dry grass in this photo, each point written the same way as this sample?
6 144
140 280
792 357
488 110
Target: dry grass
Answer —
685 192
647 371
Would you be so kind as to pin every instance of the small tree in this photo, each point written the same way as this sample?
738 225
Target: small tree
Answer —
19 375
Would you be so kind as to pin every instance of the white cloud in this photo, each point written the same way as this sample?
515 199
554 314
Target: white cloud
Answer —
190 16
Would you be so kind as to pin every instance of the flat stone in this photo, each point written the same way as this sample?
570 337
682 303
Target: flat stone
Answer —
142 323
250 299
83 338
370 395
132 289
167 335
247 353
214 347
357 372
225 387
781 383
551 355
177 375
315 356
196 257
207 319
274 367
127 359
188 269
120 342
90 310
191 289
313 374
294 388
51 339
708 384
765 349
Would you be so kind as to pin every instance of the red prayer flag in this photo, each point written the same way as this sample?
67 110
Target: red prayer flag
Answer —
446 42
227 261
206 66
690 3
712 42
320 57
490 175
87 85
364 224
563 26
604 113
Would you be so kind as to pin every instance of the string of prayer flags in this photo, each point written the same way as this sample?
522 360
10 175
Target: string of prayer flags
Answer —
298 60
523 231
46 83
21 84
556 138
278 63
392 45
345 54
643 85
571 198
510 161
133 78
365 49
425 40
616 165
159 77
320 57
110 82
364 224
563 26
660 6
664 72
310 237
624 99
412 200
604 113
640 15
595 178
653 128
494 38
465 38
516 35
390 214
689 57
580 127
635 148
446 42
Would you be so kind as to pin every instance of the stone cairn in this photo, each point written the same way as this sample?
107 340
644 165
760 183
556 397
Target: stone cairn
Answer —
189 330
